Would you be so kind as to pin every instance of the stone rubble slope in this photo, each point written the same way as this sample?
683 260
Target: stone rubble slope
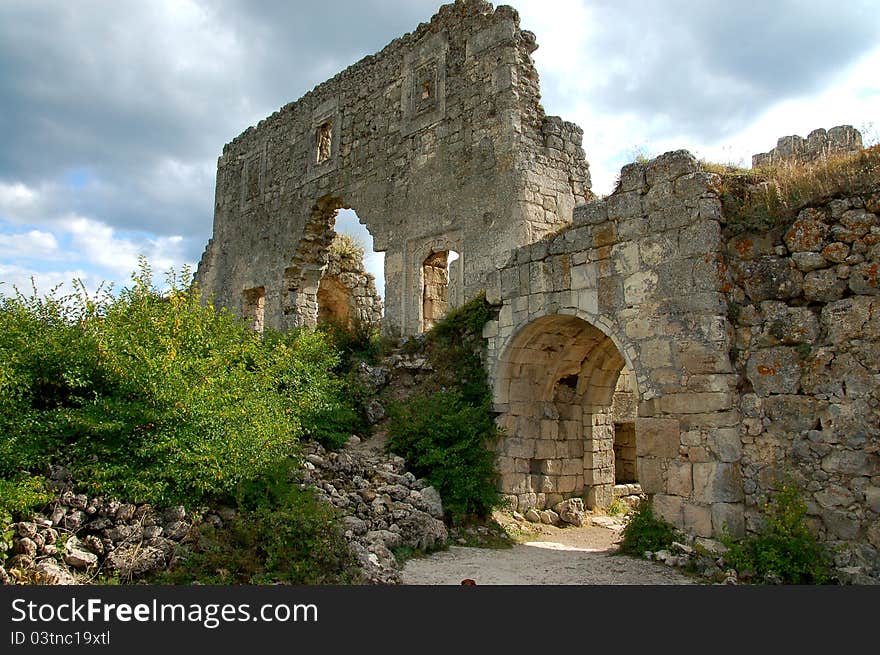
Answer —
78 538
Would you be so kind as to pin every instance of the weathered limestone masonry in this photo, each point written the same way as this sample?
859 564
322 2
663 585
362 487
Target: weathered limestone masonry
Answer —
818 145
438 142
633 286
805 304
347 293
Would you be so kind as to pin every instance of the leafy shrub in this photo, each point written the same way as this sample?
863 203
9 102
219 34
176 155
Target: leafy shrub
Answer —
156 398
646 532
446 432
280 534
445 439
785 547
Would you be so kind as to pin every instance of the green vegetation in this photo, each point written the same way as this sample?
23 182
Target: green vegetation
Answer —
280 534
785 547
445 432
154 397
646 532
765 198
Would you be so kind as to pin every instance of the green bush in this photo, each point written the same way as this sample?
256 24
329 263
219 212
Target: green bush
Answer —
446 432
445 440
646 532
785 547
280 534
156 397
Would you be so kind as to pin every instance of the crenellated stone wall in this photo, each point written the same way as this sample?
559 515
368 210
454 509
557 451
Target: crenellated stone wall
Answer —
438 142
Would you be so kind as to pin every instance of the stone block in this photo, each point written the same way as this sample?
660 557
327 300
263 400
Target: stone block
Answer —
694 403
864 279
549 429
584 276
657 437
679 480
669 166
587 300
701 238
750 246
624 204
519 447
598 459
515 483
808 261
728 518
823 286
656 353
638 287
697 519
806 234
566 484
572 466
774 370
851 462
651 475
791 413
768 278
717 482
545 449
590 213
787 325
600 495
872 497
610 293
632 177
668 508
725 444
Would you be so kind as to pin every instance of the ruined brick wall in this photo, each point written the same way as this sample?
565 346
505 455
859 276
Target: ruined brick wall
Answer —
805 306
438 142
818 145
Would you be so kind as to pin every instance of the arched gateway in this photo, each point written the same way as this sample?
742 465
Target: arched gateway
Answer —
624 308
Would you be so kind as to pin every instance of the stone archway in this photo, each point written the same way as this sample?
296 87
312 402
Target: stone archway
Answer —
326 279
556 384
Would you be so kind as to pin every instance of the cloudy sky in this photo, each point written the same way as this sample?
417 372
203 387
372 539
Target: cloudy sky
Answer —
113 113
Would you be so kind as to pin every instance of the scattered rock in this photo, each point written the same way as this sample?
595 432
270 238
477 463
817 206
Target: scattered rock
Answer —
76 555
51 573
571 511
433 503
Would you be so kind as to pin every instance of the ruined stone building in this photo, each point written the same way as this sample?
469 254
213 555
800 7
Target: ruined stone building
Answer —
638 338
440 145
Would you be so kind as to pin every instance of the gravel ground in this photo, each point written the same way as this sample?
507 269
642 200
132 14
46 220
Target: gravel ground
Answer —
551 556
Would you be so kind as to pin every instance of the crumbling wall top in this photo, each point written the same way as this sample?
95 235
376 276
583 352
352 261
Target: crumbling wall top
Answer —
818 145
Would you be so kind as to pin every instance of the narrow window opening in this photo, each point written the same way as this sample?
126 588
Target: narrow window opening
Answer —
254 307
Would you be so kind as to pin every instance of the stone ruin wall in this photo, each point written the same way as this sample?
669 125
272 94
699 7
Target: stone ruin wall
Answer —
347 293
755 357
745 357
805 309
438 142
632 287
818 145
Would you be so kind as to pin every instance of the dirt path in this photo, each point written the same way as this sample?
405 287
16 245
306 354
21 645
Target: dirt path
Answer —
570 556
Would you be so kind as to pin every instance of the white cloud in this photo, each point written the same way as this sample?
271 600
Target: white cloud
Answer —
24 279
34 244
105 249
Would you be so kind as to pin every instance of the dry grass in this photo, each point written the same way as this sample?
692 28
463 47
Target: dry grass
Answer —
347 247
765 198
